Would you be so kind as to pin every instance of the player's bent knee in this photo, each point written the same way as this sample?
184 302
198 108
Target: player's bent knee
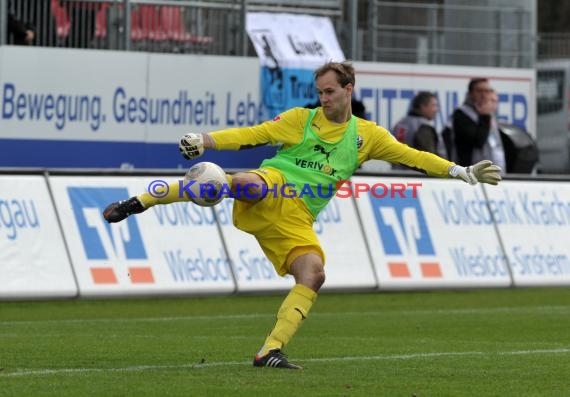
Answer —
318 275
247 186
314 280
319 279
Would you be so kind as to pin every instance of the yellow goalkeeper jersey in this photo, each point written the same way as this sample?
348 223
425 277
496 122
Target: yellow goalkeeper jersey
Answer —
373 142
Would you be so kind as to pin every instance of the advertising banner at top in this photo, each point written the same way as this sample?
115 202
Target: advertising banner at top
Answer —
93 109
429 233
290 47
533 220
69 107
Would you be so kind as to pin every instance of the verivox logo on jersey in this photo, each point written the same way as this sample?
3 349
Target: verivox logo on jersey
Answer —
406 239
118 244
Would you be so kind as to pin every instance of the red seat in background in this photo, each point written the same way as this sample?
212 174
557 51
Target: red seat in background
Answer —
61 18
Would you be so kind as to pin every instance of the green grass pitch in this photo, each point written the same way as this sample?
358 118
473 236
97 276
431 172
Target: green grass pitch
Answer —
448 343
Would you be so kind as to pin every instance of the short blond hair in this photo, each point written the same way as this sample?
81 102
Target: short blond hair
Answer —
344 72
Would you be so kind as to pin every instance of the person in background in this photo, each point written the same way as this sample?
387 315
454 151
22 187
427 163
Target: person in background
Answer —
22 32
31 23
417 129
358 108
493 148
470 124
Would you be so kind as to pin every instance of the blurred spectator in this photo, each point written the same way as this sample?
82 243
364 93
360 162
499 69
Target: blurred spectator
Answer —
417 129
23 32
358 108
466 134
493 148
30 22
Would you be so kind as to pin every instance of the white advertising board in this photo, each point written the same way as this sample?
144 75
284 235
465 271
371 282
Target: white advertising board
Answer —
206 93
133 97
533 220
127 97
442 238
33 259
168 249
134 107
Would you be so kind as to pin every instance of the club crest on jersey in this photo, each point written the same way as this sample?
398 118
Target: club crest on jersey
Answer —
359 141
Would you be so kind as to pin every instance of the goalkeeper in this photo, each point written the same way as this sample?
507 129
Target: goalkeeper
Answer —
319 147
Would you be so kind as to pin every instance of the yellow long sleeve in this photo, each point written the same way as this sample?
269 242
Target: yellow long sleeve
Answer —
287 129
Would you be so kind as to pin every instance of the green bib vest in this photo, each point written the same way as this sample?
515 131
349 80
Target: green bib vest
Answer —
315 166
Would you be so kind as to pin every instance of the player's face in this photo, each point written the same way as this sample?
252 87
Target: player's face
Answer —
335 100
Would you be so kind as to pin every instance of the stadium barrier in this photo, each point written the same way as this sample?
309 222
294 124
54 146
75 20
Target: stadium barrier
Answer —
33 259
444 238
437 234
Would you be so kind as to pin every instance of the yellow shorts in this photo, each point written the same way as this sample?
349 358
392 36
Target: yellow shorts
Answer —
282 226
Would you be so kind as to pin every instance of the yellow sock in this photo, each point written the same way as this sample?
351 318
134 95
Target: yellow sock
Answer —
292 312
148 200
173 196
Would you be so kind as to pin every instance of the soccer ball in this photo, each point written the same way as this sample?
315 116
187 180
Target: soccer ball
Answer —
205 180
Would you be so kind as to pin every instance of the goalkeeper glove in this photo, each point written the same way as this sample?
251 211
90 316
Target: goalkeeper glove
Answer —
191 146
484 171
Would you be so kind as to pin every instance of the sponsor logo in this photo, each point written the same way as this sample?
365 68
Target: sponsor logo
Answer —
319 148
405 237
114 251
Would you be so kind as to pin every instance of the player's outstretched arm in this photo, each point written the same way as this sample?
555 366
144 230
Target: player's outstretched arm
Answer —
484 171
192 145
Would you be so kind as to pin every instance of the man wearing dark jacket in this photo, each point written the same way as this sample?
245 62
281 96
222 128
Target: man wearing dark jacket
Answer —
23 33
469 126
